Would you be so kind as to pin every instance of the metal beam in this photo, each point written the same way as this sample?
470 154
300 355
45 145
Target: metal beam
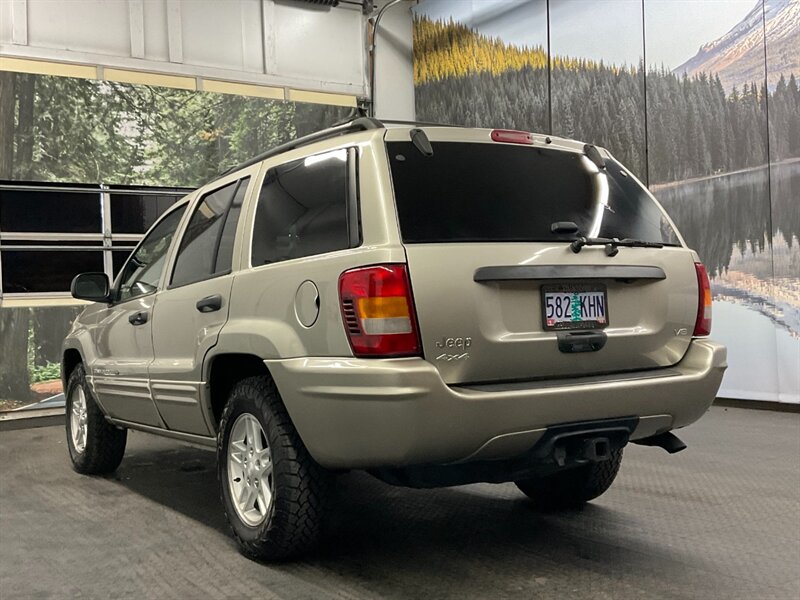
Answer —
19 22
29 59
174 32
268 31
136 21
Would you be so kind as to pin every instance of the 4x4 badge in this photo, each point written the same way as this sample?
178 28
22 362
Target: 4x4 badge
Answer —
452 357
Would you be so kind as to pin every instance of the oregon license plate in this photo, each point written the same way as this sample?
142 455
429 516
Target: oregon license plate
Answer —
574 306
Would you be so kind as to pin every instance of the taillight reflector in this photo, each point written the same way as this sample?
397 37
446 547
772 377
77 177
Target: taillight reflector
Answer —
378 311
511 136
702 325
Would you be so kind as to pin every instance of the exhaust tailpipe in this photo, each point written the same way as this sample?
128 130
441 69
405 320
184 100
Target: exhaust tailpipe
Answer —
667 440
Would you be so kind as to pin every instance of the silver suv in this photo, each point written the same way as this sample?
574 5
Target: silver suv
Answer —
436 305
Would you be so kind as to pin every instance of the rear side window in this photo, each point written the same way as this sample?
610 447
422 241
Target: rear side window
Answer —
206 248
306 207
477 192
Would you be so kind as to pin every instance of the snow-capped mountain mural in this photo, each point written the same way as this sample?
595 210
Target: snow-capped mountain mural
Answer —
738 56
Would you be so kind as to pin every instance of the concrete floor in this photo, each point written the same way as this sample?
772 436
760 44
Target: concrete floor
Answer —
720 520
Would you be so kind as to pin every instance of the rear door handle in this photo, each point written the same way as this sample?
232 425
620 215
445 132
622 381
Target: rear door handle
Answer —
581 341
138 318
209 303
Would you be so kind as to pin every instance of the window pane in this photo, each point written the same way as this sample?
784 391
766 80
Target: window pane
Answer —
118 258
31 271
137 213
501 193
50 212
143 271
198 247
28 244
225 252
302 209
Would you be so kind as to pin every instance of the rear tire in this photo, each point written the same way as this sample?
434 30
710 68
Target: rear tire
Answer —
274 503
95 445
572 488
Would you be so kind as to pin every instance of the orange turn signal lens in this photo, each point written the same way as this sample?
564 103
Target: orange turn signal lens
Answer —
385 307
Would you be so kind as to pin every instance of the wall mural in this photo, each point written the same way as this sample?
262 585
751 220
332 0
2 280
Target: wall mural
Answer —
59 129
82 130
699 98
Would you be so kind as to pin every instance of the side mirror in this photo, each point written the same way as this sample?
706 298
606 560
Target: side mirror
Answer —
91 286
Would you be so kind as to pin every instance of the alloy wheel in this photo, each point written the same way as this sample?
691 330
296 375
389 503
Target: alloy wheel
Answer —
250 478
78 427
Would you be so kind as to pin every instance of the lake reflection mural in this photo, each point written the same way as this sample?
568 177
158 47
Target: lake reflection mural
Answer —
699 98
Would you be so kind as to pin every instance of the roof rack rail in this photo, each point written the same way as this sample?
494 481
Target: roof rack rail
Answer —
358 124
418 123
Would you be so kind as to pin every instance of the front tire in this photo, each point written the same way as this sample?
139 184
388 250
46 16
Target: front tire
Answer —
272 491
574 487
95 445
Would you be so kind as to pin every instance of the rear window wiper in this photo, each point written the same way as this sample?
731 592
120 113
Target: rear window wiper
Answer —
612 244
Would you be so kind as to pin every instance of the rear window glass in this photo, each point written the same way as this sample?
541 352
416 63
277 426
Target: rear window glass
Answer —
477 192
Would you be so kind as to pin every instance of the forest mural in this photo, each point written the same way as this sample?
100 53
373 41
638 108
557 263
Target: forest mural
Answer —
467 78
87 131
711 124
61 129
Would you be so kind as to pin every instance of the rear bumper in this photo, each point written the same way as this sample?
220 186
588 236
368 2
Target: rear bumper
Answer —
362 413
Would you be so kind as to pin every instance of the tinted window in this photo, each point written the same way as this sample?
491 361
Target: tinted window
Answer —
468 192
136 213
118 258
198 256
225 251
30 271
50 212
303 209
143 271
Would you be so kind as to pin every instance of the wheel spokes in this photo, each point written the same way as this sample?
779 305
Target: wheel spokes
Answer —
78 419
263 463
254 435
264 498
249 464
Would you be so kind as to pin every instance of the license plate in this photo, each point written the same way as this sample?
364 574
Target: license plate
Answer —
574 306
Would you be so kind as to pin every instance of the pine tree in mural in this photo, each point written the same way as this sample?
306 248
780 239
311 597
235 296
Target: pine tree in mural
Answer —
77 130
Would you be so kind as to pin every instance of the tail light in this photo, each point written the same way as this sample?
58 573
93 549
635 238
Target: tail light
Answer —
511 136
378 311
702 326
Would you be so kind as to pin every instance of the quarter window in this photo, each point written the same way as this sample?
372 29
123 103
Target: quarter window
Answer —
206 248
306 207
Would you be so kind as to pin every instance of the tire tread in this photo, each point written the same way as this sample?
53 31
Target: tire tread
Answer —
105 443
301 485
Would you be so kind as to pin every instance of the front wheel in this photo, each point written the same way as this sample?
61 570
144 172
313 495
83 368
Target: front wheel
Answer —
272 490
574 487
95 445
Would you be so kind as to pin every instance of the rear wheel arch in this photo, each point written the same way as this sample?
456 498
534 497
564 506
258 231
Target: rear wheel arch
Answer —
223 372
